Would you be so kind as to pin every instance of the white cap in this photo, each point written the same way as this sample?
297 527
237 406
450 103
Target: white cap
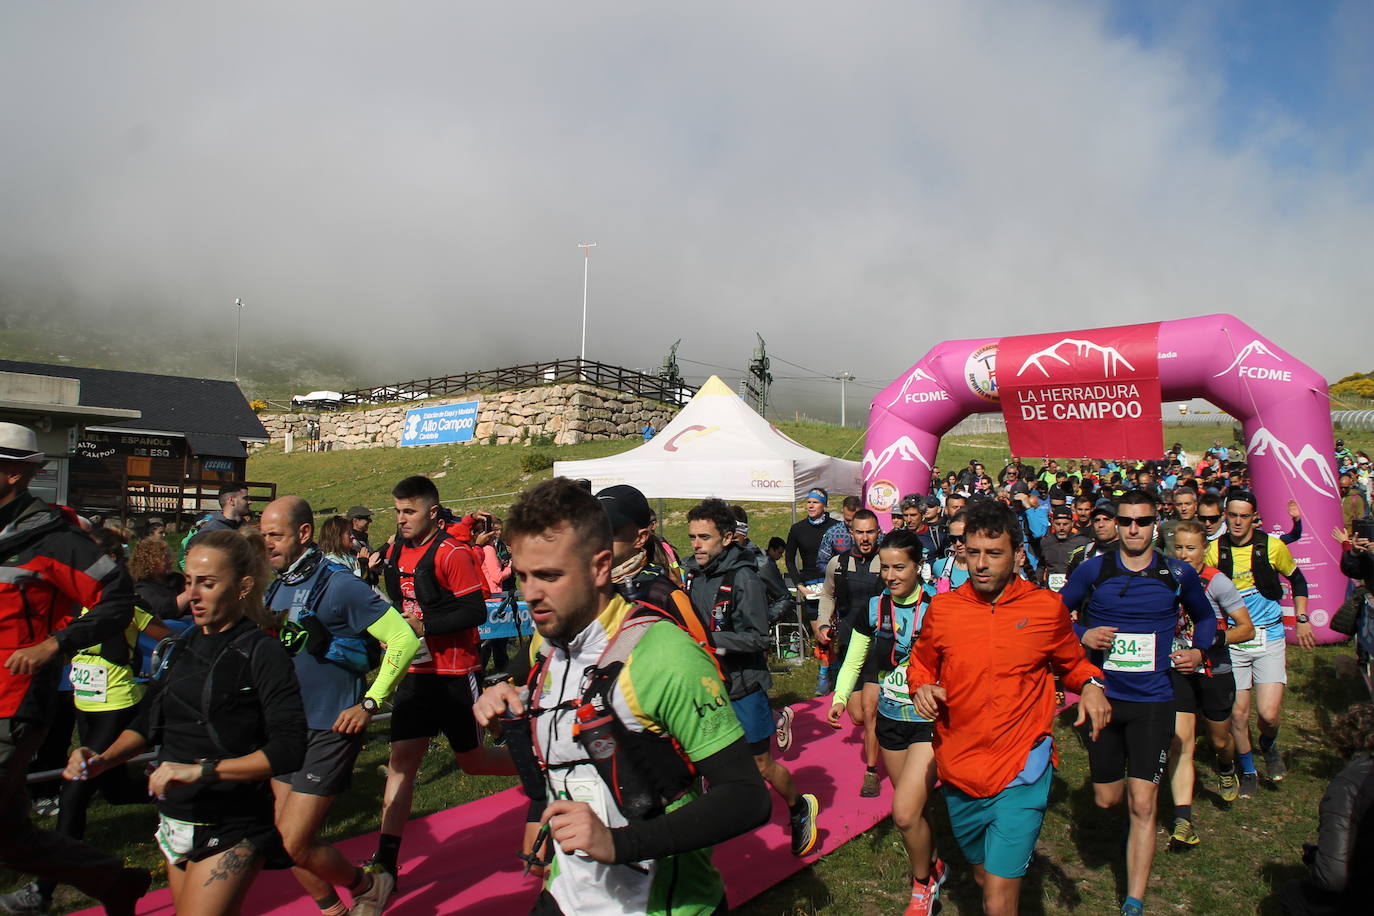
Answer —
19 443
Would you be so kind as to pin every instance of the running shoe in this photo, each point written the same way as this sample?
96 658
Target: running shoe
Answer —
925 899
1184 836
1273 764
1132 909
823 683
804 826
1249 785
939 871
27 901
372 901
872 785
1228 786
784 732
48 806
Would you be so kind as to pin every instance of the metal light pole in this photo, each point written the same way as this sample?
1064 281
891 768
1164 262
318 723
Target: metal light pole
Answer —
586 265
238 329
843 377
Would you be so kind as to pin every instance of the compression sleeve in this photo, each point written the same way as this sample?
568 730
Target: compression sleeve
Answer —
1299 582
735 801
854 657
1294 535
457 613
401 644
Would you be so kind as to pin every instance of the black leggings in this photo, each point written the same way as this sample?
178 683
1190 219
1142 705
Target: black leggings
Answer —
97 730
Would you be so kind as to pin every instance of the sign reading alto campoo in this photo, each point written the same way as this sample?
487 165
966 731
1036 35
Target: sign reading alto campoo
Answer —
441 425
1086 393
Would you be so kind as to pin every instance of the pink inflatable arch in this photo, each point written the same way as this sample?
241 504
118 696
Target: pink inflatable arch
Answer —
1282 404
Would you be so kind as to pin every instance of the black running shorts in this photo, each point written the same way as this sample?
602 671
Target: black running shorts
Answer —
427 704
1212 696
1135 742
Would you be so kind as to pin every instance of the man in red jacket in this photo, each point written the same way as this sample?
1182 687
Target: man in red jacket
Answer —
983 669
50 571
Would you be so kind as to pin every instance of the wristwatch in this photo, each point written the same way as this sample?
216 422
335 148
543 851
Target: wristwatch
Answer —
1302 618
207 770
1096 682
369 705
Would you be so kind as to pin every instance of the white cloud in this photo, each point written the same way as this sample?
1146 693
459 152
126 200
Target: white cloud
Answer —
863 179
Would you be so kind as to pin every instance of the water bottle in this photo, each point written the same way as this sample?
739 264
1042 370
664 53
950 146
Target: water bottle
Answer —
595 731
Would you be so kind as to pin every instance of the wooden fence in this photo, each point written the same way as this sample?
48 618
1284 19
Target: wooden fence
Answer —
559 371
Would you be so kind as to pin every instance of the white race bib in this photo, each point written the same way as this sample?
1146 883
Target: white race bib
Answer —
1057 581
591 790
89 681
812 592
1131 652
422 654
175 838
1255 643
894 686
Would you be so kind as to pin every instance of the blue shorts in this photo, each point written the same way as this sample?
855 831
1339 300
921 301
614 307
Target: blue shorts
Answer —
999 833
757 718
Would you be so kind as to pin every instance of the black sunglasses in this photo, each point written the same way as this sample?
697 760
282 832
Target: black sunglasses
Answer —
1144 521
1208 518
957 538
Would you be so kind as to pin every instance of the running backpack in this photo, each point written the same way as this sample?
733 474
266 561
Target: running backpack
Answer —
1266 577
355 654
165 656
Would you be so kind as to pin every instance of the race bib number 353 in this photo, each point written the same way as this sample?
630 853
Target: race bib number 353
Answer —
1131 652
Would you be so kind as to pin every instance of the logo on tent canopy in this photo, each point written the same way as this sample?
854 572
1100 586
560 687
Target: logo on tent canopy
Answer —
687 435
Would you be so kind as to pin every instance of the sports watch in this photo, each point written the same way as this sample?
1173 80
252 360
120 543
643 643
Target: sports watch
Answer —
369 705
207 770
1302 618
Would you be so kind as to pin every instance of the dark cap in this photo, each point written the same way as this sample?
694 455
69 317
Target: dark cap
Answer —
1061 512
932 502
359 512
1103 507
625 506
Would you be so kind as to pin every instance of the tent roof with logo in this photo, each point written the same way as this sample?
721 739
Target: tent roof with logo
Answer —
718 446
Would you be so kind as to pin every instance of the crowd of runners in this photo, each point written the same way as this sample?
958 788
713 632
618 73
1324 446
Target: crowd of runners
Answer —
637 718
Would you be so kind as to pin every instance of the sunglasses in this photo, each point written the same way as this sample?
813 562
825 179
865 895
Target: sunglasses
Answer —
1208 519
957 538
1144 521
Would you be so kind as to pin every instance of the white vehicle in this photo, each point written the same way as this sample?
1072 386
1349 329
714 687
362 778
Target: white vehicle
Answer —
318 400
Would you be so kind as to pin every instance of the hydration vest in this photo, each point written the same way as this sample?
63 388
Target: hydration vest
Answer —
429 594
654 760
1265 575
854 588
355 654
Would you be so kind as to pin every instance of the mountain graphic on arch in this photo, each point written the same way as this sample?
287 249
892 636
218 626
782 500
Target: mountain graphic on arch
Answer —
1296 465
1112 360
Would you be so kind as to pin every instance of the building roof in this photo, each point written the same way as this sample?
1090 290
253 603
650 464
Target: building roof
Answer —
169 403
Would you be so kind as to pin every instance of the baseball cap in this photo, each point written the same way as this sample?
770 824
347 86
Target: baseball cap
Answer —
19 443
1061 512
359 512
1103 507
932 502
625 505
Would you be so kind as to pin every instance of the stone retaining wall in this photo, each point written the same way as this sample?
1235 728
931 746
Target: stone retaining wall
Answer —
567 414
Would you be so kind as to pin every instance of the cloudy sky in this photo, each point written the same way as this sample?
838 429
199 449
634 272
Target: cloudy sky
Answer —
856 181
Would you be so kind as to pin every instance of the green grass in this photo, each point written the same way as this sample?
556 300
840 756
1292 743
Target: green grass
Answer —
1247 852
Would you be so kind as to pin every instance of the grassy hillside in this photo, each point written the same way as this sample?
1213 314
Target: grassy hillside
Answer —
489 476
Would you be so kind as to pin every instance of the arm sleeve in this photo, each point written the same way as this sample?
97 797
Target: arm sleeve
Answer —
76 568
750 635
1295 535
1337 828
1298 581
458 574
826 604
1067 658
274 676
1075 592
1195 602
791 553
854 656
392 631
735 802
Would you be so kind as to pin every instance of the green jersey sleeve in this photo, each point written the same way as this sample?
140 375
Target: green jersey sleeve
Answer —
673 688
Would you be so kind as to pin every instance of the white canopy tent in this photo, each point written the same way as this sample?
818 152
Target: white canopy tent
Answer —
718 446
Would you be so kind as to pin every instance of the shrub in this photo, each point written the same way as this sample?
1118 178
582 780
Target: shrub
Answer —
536 461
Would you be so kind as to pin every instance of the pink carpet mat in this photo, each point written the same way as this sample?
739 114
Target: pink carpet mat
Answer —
464 860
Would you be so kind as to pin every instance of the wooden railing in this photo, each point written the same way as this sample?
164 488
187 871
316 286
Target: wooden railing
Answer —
559 371
145 496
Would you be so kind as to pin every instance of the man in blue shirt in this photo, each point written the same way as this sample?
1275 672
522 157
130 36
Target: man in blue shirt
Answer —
326 616
1128 608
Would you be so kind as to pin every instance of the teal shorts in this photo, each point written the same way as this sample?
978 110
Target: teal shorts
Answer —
999 833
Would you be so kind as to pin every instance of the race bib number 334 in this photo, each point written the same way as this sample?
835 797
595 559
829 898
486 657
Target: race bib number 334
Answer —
1131 652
